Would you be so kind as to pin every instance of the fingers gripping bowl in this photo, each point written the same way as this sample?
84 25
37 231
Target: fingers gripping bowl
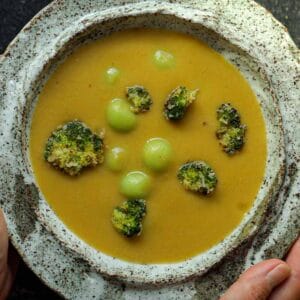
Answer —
36 229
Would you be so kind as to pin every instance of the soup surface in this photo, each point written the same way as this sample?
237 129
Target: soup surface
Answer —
179 224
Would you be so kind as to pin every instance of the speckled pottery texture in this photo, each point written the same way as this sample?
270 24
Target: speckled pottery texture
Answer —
247 36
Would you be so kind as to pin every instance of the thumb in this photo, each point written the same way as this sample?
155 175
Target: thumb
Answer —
7 272
258 282
3 242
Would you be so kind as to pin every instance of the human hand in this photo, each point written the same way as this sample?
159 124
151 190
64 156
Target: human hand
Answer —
8 261
272 279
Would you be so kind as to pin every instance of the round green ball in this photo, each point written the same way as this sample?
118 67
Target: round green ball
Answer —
157 154
164 59
112 75
119 116
116 159
135 185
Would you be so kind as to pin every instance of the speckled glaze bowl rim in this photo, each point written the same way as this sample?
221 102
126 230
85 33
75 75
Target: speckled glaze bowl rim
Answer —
119 269
168 272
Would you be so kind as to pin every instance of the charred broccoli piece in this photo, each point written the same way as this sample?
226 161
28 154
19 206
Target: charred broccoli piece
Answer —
135 207
231 132
139 98
231 138
127 218
197 176
178 102
228 116
72 147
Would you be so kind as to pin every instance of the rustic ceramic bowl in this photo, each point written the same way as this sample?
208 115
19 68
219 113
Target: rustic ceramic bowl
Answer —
246 35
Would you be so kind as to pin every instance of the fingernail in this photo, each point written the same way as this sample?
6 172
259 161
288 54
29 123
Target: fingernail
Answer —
278 274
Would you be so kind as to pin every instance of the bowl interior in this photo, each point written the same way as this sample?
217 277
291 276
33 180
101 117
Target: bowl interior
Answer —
96 26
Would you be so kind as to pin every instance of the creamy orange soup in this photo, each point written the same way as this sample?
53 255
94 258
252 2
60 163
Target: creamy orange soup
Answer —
179 224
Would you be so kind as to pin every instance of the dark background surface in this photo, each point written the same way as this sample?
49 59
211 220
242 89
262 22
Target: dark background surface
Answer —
14 14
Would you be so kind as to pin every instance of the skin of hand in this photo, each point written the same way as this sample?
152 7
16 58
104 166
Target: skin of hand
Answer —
8 261
272 279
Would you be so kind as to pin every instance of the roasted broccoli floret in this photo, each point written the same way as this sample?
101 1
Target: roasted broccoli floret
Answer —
72 147
127 218
178 102
228 116
231 132
139 98
197 176
231 138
